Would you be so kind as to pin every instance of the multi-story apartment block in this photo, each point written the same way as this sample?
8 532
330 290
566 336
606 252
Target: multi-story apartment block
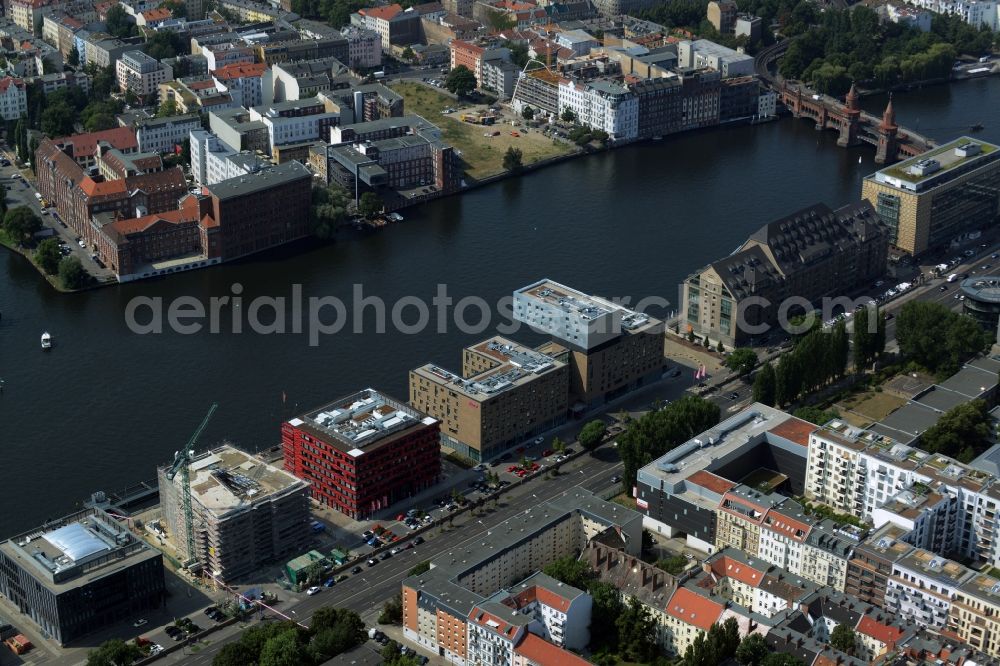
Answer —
393 24
59 80
364 103
407 161
922 586
212 161
363 453
13 98
196 95
928 200
722 15
222 55
474 606
383 128
364 47
274 51
505 394
977 13
249 84
871 564
295 122
602 105
975 614
246 512
235 129
141 74
164 135
612 349
499 75
79 574
813 253
704 53
538 89
304 78
691 612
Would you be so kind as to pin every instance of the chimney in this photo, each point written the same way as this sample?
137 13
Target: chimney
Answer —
657 580
706 567
645 575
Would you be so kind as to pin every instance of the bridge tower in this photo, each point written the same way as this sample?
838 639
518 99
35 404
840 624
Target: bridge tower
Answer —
852 119
888 145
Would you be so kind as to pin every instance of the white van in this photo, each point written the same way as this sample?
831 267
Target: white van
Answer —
952 277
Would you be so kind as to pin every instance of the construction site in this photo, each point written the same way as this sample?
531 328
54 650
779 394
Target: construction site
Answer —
226 513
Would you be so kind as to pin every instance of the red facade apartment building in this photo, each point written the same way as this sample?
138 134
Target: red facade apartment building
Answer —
363 453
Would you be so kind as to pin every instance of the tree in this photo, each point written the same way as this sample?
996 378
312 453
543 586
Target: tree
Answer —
167 108
764 385
285 649
329 210
781 659
512 159
752 651
57 120
72 274
592 434
114 652
3 200
742 361
118 22
392 611
963 432
720 347
527 112
313 573
407 54
571 571
607 606
636 632
47 255
234 654
420 568
558 445
788 380
661 430
370 205
460 81
864 337
937 338
842 638
500 21
816 415
840 349
673 565
20 223
567 115
73 59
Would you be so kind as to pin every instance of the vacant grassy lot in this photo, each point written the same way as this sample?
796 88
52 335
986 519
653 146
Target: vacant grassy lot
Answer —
866 408
482 155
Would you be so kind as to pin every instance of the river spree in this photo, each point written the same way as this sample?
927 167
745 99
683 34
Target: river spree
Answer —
105 405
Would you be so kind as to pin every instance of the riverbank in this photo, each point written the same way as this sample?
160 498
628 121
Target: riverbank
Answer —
16 248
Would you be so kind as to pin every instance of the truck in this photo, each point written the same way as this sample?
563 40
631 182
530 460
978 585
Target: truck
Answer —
379 74
952 277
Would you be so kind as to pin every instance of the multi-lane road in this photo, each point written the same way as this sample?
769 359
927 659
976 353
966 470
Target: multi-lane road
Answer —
367 590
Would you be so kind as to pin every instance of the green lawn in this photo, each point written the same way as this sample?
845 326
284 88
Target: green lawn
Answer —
482 155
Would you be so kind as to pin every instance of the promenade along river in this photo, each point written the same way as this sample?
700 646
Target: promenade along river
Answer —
105 406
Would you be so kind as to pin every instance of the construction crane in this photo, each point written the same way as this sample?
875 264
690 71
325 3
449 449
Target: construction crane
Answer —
182 463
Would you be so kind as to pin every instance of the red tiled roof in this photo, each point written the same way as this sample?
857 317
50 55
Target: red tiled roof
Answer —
5 83
794 430
204 84
539 651
822 660
542 595
711 481
240 70
384 13
105 188
881 632
158 181
158 14
730 568
743 501
482 618
459 45
786 525
137 224
85 145
694 609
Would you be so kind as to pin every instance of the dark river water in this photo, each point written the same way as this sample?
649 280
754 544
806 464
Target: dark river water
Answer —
107 405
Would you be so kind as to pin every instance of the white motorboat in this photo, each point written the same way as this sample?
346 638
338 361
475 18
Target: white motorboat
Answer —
46 341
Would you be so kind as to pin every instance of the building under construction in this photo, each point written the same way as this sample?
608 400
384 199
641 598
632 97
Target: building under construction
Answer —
245 513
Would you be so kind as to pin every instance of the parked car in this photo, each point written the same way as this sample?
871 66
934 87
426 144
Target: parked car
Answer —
356 570
140 622
372 562
616 479
210 610
386 554
313 590
419 540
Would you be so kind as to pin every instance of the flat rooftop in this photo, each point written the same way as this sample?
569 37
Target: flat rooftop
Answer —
578 304
228 479
264 179
742 431
935 566
361 420
76 549
515 365
938 166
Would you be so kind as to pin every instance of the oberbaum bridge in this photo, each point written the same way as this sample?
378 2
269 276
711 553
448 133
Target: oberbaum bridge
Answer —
892 142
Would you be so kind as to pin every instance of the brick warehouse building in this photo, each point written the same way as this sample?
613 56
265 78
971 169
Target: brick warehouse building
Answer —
363 452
